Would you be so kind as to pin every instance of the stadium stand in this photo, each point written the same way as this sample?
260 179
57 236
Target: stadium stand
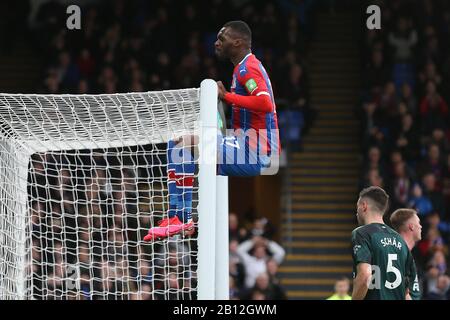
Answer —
405 124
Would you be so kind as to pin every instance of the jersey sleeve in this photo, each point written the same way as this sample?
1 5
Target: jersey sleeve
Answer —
252 79
361 247
413 279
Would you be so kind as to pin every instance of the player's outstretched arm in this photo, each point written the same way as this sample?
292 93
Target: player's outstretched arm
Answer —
361 281
260 102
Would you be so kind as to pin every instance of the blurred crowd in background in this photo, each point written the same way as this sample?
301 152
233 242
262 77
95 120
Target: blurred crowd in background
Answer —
88 221
132 46
254 260
89 211
404 112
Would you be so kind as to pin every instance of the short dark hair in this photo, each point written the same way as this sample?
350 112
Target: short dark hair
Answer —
378 196
400 216
241 28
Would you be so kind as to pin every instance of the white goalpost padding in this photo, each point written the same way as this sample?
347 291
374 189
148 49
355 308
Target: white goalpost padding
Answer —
83 178
222 284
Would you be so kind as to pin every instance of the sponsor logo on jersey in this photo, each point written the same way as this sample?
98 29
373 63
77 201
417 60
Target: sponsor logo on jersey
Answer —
251 85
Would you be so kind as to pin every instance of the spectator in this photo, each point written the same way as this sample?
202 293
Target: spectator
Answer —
438 261
432 193
234 289
388 105
406 139
439 138
85 285
433 240
51 84
255 263
262 284
86 63
261 228
341 290
373 178
377 71
430 73
430 280
145 274
235 231
258 295
396 157
420 202
433 110
441 290
377 137
298 94
446 184
83 87
403 41
272 270
374 161
68 72
237 270
431 50
408 98
433 164
401 185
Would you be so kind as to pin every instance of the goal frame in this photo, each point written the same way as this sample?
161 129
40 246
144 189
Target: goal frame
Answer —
213 248
212 269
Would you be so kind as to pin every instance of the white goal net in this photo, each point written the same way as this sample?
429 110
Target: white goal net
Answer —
82 179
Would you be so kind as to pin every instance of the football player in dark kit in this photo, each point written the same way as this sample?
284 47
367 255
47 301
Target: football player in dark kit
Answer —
383 266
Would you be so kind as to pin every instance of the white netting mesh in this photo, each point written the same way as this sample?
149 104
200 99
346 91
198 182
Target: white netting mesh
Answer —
82 179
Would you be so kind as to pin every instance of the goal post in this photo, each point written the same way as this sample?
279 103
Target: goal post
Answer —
13 217
213 228
83 177
222 284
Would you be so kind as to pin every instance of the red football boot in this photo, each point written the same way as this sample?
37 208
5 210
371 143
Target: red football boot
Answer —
169 227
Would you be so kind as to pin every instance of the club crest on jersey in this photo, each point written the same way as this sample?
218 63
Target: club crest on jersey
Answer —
356 248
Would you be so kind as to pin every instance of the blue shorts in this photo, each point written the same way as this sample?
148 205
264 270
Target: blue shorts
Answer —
236 158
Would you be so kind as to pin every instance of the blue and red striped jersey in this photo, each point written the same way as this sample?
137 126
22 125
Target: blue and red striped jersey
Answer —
250 78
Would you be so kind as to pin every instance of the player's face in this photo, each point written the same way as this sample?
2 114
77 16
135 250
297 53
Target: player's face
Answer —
417 228
223 44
